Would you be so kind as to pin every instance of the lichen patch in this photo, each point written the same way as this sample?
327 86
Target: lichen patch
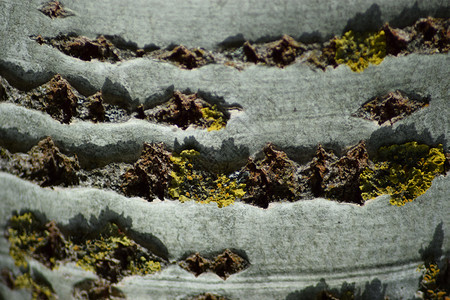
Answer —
111 255
402 171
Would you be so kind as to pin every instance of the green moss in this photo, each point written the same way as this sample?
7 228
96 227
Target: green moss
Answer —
357 50
190 184
214 118
403 171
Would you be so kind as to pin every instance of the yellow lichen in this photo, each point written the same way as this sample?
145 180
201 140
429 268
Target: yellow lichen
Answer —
190 184
23 237
26 234
403 171
214 118
429 282
104 249
39 291
357 50
112 255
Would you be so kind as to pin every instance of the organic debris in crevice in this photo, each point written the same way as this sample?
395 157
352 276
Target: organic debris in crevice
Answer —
96 108
90 289
224 265
317 169
43 164
54 9
57 98
272 179
426 36
391 107
47 166
250 53
207 296
196 264
82 47
402 171
151 174
53 247
321 56
396 40
325 295
63 103
283 52
279 53
108 177
60 101
7 277
341 182
335 178
184 110
3 93
433 34
356 49
228 263
111 255
188 58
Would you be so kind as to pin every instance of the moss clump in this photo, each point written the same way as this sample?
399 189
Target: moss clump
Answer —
357 50
191 184
403 171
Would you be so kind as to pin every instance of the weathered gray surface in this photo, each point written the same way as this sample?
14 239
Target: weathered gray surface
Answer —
205 23
290 246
